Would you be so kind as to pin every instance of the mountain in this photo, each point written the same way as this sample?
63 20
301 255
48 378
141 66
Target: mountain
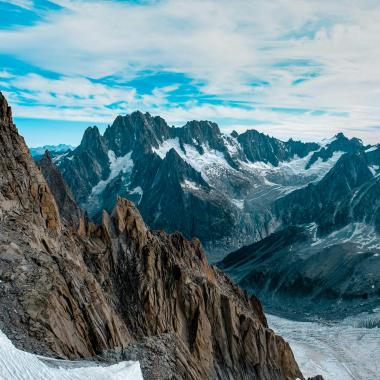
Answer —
55 150
323 258
194 179
328 201
119 290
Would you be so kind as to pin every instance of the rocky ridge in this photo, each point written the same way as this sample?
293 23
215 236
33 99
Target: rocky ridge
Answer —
120 289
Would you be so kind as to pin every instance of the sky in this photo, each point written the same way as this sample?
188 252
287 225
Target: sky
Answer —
289 68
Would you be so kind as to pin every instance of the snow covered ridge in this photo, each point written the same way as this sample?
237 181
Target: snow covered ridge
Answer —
20 365
373 148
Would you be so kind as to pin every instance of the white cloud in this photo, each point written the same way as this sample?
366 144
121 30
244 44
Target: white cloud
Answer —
77 98
222 44
27 4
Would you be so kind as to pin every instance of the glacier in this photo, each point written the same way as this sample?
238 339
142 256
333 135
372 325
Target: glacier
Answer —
336 350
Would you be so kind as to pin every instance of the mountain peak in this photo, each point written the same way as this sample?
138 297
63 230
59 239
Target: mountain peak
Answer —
22 184
136 131
92 139
47 156
340 135
91 132
140 114
203 125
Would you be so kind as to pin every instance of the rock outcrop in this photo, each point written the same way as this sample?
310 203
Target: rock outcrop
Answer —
22 186
120 288
68 209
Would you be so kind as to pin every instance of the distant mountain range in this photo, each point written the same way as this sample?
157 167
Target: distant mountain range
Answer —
292 205
38 152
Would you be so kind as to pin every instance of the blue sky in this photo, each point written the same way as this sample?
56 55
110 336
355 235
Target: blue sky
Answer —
289 68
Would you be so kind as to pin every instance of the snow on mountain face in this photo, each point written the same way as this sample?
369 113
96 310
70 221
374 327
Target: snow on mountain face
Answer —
123 164
361 234
20 365
372 148
208 163
237 176
294 173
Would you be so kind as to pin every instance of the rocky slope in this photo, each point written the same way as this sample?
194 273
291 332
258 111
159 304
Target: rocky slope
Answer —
194 179
69 210
120 289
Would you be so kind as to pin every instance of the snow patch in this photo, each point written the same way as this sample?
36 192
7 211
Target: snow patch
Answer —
59 157
167 145
373 169
239 203
186 184
361 234
325 142
232 145
122 164
137 190
208 164
20 365
294 168
372 148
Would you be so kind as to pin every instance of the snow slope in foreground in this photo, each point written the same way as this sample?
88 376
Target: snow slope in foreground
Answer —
336 351
20 365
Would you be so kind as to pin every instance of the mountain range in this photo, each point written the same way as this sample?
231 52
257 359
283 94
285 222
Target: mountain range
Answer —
291 205
194 179
38 152
70 288
324 256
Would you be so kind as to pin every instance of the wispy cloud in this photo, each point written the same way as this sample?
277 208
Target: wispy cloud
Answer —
321 56
26 4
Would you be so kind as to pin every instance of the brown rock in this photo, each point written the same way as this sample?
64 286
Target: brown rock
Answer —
68 209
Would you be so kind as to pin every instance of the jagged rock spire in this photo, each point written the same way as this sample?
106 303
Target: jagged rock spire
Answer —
22 187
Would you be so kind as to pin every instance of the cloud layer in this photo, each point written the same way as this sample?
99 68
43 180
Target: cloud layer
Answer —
288 67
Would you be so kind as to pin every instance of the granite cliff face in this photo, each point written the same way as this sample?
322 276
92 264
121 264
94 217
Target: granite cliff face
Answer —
119 289
68 209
